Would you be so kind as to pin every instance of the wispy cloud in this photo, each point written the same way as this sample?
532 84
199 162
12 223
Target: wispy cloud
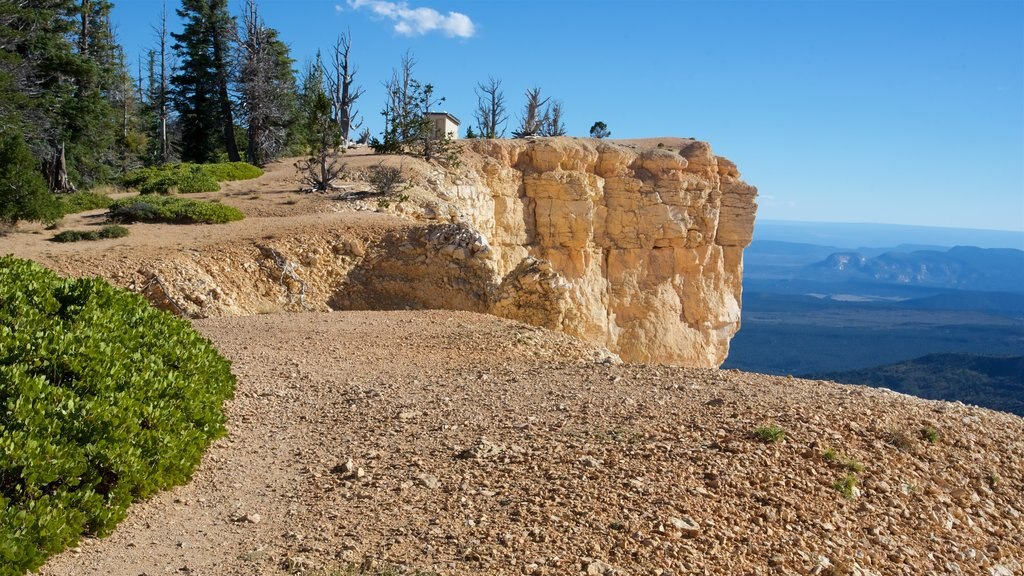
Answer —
419 21
339 8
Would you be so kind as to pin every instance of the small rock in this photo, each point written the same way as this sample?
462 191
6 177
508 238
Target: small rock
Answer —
598 568
590 462
408 414
688 526
428 481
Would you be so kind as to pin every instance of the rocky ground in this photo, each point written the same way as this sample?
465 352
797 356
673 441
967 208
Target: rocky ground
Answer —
456 443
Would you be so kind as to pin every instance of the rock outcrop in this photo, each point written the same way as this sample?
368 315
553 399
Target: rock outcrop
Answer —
637 248
640 250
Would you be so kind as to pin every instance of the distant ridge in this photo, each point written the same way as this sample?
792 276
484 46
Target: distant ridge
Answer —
847 235
991 382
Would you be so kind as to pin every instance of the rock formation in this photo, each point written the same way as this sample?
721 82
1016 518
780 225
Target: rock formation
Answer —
634 247
640 250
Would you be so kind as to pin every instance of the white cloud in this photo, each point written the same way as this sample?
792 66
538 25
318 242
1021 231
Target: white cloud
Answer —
419 21
338 8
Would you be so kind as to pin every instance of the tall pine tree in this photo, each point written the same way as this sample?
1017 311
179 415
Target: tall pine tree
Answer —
267 86
200 89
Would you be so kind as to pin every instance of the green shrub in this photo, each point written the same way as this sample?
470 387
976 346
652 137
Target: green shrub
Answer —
171 209
187 178
197 179
773 433
23 191
103 400
929 434
228 171
110 231
82 201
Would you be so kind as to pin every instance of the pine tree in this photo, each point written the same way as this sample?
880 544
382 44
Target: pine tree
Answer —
200 89
267 86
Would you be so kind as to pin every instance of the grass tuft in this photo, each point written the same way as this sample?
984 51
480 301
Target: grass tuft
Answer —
771 433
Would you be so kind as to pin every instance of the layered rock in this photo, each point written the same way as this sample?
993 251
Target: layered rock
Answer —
638 249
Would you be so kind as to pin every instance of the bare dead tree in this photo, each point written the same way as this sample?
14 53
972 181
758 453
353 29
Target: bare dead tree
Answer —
399 110
161 88
531 122
553 125
341 84
490 109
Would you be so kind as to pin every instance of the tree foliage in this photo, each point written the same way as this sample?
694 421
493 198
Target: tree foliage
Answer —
23 193
599 130
200 88
322 166
266 85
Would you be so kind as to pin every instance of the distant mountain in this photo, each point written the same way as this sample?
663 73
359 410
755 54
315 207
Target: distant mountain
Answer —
992 382
847 235
961 267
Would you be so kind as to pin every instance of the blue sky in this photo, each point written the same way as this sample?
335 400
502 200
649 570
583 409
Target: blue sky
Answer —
901 111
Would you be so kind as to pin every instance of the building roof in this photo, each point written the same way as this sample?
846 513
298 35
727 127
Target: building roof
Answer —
452 118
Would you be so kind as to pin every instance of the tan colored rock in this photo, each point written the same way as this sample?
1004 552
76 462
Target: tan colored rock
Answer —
645 246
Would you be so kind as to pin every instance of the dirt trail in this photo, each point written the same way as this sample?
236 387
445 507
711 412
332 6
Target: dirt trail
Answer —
481 446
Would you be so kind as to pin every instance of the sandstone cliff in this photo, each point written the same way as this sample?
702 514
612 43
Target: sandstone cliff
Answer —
638 249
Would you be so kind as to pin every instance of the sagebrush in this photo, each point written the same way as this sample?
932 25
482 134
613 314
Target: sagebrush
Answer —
103 400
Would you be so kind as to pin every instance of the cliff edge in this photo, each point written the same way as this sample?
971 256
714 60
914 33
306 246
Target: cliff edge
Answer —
637 248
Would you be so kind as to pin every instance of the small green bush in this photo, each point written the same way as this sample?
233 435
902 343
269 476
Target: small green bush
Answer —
82 201
23 191
171 209
229 171
103 400
110 231
929 434
772 433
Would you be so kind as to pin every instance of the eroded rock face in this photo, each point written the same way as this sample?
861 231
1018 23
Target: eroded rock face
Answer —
641 251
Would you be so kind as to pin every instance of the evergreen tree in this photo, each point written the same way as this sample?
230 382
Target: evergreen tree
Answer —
267 86
200 88
59 71
23 193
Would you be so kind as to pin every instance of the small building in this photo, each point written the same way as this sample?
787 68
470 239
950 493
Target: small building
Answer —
444 125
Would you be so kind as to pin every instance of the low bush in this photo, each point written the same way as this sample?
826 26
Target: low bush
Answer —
110 231
171 209
197 179
229 171
187 178
103 400
82 201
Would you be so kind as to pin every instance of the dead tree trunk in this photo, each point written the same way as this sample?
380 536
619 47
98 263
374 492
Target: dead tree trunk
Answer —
58 173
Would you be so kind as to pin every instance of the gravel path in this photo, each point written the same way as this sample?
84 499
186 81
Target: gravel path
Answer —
454 443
